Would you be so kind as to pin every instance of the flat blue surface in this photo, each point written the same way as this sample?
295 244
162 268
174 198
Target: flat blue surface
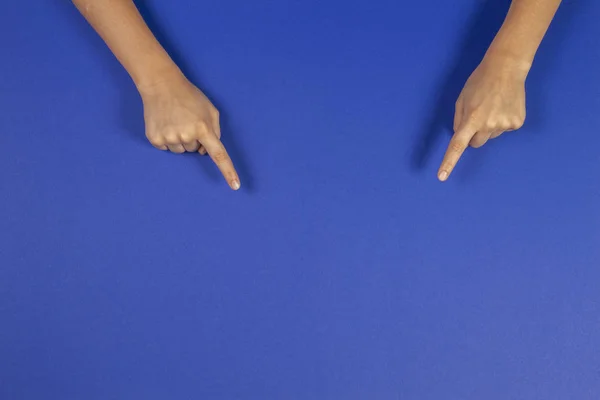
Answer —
343 269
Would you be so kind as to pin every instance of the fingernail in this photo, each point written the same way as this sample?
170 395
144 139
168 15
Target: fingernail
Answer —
443 176
235 185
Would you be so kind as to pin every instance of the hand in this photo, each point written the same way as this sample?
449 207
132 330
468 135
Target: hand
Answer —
491 103
180 118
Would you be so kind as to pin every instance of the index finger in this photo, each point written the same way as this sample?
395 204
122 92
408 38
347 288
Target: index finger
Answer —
456 148
219 155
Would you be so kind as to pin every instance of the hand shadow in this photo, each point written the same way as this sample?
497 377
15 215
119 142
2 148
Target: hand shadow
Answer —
131 109
228 135
131 112
544 63
482 28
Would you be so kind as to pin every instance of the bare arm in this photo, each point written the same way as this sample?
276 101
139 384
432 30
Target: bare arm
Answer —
179 117
493 99
523 30
121 26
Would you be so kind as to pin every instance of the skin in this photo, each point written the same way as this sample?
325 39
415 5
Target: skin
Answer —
493 99
179 117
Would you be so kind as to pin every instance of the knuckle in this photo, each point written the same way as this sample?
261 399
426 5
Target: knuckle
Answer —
202 136
187 137
202 127
156 141
171 138
474 119
493 125
518 123
502 125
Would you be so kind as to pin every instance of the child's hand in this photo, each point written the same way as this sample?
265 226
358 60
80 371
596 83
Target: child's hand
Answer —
491 103
180 118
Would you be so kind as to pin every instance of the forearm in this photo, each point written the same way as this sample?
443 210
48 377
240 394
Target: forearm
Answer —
522 31
123 29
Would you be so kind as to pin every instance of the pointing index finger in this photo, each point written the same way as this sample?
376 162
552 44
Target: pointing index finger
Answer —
217 152
456 148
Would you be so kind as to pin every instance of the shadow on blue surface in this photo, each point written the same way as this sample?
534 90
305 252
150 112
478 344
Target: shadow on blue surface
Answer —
229 136
131 111
483 26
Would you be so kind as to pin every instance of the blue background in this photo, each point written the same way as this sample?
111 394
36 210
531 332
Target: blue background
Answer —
343 269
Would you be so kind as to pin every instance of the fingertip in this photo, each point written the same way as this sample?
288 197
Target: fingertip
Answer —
443 175
235 184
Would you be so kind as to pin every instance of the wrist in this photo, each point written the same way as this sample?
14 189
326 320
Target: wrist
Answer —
507 62
157 80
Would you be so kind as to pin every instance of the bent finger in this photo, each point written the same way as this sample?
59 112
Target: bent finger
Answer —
177 148
192 147
479 139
